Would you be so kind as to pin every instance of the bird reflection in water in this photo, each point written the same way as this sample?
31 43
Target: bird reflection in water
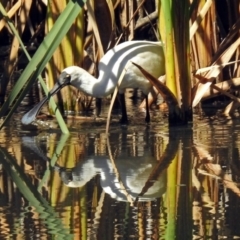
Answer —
124 177
133 172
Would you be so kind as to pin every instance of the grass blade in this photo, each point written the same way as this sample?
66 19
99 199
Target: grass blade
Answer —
40 59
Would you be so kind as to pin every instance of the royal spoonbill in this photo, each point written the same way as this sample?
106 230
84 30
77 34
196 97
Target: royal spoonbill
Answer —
147 54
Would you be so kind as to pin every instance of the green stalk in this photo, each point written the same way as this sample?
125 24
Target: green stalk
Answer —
17 90
182 53
166 6
40 59
175 34
170 200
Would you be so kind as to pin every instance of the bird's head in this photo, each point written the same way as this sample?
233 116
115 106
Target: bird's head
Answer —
63 80
69 76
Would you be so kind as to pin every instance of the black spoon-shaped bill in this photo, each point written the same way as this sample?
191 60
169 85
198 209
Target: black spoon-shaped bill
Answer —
30 116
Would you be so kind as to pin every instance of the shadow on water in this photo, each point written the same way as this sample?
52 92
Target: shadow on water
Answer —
137 183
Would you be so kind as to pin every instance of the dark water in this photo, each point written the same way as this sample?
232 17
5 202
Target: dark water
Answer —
137 182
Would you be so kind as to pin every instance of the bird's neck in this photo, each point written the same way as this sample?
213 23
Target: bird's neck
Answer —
95 87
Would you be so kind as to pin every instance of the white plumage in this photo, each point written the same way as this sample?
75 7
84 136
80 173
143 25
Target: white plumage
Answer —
147 54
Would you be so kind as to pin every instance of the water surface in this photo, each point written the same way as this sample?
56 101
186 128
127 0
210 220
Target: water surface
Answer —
137 182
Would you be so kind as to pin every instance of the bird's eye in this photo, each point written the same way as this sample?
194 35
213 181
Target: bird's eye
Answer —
67 78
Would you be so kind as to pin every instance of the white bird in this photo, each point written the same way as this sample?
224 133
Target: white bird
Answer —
148 55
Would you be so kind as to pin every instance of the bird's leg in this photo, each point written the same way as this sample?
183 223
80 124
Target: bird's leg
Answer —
124 119
147 119
98 106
